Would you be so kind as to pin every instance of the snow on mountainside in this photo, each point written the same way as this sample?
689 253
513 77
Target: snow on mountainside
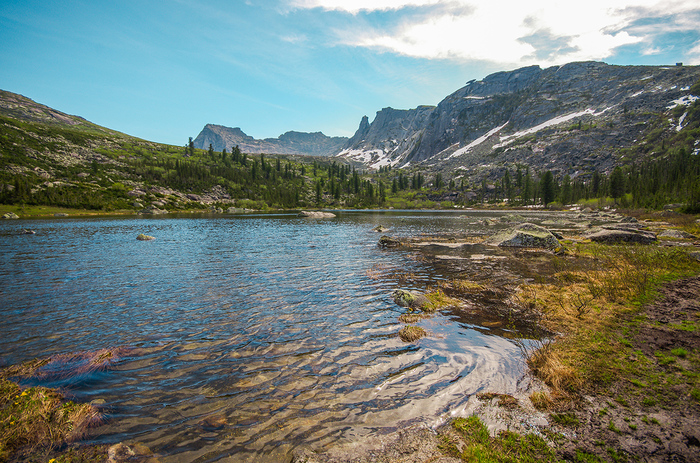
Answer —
567 117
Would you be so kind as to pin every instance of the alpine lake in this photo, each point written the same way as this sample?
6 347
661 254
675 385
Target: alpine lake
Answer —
241 337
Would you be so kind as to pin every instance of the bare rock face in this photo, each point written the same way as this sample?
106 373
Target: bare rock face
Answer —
316 214
571 117
312 144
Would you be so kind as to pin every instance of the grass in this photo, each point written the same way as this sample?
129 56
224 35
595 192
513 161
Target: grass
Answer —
38 419
411 333
473 443
617 281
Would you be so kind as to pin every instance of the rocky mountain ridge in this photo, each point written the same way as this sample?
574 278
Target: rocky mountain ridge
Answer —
313 144
569 118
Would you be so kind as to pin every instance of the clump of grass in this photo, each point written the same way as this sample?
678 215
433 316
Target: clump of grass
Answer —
541 400
411 333
547 365
411 317
680 352
565 419
506 447
39 418
438 300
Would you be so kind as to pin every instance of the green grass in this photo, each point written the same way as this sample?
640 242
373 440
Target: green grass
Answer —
507 447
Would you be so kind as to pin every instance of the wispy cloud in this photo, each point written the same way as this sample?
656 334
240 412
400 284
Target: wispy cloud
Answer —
512 32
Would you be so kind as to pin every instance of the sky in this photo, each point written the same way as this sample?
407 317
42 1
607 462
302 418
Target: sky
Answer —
162 69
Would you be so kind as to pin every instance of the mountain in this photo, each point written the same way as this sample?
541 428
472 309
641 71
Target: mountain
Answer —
313 144
569 118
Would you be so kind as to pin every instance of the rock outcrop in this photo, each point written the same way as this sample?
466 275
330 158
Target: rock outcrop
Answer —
622 235
316 214
528 235
566 118
312 144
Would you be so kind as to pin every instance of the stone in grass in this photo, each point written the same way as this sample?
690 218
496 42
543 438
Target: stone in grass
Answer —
143 237
410 333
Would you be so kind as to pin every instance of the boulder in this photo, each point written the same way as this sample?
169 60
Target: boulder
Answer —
143 237
622 235
410 299
27 231
10 215
316 214
677 234
380 229
529 235
60 214
629 220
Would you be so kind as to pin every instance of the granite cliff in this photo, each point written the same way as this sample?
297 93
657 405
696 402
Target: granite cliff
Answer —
569 118
313 144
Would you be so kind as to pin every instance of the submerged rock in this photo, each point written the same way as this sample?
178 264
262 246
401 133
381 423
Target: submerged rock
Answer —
316 214
143 237
380 229
389 242
152 210
622 235
10 215
27 231
529 235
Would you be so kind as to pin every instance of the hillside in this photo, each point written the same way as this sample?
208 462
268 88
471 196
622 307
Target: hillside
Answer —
570 119
49 158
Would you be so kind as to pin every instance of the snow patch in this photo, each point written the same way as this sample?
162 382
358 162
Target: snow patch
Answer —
474 97
680 122
554 121
477 142
684 100
637 94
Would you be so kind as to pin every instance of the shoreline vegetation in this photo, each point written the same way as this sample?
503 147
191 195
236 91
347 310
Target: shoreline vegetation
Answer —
618 372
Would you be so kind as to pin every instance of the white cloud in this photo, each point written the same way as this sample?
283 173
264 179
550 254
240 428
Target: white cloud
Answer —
694 55
513 32
355 6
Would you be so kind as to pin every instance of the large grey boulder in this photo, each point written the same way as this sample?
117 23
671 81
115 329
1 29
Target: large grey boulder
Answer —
316 214
10 215
622 235
529 235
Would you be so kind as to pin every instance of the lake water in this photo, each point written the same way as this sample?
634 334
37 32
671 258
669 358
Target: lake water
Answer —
243 336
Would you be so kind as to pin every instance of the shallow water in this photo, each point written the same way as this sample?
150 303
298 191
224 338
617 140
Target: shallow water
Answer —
245 335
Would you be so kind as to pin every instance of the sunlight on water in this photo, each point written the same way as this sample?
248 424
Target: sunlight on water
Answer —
244 335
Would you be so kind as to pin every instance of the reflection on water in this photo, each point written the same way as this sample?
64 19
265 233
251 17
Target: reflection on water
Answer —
244 335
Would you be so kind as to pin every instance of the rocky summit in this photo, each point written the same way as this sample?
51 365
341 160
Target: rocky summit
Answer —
312 144
569 118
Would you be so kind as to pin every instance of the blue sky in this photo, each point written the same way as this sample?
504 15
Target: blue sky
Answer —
161 70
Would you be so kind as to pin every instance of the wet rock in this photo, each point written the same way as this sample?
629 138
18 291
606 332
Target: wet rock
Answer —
389 242
10 215
152 210
60 214
27 231
677 234
380 229
622 235
529 235
143 237
410 299
316 214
